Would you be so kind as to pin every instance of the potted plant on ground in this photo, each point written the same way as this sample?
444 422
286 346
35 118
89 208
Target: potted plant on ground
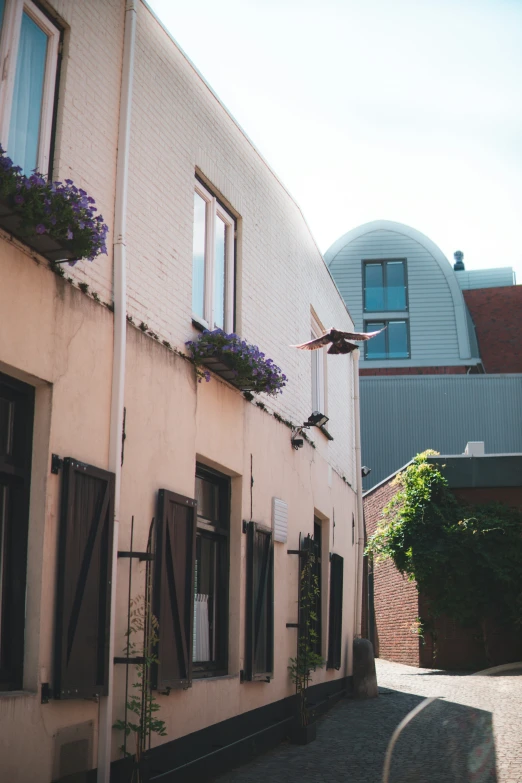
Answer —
307 660
56 219
236 361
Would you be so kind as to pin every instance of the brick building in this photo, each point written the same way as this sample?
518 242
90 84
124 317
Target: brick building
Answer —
393 606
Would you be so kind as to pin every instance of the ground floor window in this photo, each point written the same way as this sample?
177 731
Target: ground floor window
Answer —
16 432
211 573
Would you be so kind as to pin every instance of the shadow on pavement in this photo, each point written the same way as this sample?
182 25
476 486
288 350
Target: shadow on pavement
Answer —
445 743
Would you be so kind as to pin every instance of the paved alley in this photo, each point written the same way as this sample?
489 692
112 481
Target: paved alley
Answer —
472 734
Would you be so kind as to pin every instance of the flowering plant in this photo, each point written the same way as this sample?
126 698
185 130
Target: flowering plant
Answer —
249 368
61 210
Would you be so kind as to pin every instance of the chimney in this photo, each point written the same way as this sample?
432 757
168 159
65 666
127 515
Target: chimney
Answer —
458 266
475 448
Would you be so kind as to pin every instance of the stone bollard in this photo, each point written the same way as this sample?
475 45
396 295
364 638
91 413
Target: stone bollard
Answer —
364 676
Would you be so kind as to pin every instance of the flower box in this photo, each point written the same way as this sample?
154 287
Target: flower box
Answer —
236 361
47 246
56 219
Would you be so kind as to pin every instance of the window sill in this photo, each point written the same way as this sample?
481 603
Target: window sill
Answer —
199 325
213 677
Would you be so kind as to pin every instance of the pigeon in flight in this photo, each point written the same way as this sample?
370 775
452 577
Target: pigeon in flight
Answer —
339 341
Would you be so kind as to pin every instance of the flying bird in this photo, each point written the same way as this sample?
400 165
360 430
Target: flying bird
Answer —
339 341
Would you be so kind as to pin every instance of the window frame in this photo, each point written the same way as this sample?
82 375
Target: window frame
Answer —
318 370
9 42
214 208
386 322
384 262
15 473
221 534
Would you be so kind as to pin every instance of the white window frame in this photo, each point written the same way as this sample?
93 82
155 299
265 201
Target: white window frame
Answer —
9 41
212 209
318 369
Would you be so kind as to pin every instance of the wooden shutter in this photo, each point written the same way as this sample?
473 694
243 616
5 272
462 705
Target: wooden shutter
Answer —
174 589
336 612
84 582
259 664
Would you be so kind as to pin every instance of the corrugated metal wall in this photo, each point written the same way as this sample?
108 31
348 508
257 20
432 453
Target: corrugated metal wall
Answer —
401 416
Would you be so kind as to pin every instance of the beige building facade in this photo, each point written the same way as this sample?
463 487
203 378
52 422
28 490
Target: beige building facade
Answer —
93 374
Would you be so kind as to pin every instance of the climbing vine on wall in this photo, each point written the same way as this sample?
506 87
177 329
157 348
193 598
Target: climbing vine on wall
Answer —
466 560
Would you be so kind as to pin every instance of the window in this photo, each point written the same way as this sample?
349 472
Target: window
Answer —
28 54
335 624
318 359
212 262
384 285
393 343
210 635
16 430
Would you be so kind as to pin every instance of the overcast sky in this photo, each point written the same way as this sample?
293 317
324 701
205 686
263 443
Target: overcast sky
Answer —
377 109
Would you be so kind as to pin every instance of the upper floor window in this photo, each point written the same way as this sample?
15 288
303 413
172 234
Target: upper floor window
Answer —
318 359
28 58
212 262
384 285
393 343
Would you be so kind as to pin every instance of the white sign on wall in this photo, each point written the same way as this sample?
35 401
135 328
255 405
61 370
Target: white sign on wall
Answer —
280 520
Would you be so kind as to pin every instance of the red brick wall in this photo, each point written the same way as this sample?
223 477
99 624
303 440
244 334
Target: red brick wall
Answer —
458 370
395 599
397 604
497 315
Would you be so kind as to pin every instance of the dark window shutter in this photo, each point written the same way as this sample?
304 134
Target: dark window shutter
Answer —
259 664
174 589
336 612
84 582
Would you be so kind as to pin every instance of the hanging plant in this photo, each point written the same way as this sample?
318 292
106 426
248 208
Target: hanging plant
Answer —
235 360
55 218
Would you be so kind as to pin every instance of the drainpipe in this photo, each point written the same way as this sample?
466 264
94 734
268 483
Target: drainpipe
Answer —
118 366
360 518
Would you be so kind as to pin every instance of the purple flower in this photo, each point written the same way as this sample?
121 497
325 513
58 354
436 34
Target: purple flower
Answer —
40 228
69 234
18 199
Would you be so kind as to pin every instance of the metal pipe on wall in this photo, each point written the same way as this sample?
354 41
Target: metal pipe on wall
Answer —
360 517
118 367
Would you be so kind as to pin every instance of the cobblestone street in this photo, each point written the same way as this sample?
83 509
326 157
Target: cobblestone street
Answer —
352 738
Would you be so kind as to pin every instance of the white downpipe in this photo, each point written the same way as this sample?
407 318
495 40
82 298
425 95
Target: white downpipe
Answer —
360 518
118 366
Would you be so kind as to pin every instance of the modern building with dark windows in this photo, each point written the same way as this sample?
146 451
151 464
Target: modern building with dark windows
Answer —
447 368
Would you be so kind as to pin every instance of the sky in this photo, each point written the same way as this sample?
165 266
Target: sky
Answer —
377 109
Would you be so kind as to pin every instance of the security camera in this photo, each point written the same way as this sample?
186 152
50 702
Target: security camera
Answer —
365 471
297 443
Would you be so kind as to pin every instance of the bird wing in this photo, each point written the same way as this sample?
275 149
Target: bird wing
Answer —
313 345
360 335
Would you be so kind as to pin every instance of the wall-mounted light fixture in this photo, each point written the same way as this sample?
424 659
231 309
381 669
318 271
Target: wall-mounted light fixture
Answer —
316 419
365 471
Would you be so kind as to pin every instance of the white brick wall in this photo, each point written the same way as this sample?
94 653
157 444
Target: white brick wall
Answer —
178 125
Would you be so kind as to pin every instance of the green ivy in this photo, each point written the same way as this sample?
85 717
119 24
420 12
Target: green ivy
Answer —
466 560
